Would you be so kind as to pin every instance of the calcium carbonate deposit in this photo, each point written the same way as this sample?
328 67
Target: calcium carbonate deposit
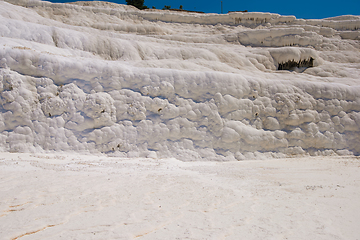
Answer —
101 77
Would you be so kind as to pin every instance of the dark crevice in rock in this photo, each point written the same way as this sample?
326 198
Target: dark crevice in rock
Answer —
290 65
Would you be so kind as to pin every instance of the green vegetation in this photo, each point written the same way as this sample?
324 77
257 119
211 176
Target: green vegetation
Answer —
137 3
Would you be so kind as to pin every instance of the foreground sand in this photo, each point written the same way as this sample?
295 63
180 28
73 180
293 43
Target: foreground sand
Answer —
54 196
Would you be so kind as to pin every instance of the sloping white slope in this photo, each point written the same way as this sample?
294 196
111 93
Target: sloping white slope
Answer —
102 77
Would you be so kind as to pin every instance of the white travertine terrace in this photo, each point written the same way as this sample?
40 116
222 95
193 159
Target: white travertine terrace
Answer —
102 77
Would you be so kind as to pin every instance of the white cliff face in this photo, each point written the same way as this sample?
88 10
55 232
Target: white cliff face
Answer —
101 77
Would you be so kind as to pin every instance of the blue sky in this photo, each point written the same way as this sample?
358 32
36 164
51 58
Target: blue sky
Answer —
301 9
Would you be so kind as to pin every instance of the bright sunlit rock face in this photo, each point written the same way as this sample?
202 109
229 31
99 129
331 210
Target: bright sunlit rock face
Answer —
102 77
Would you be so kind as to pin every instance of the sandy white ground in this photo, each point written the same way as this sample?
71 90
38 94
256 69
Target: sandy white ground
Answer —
58 196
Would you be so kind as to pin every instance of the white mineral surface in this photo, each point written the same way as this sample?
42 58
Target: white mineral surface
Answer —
161 104
62 196
101 77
